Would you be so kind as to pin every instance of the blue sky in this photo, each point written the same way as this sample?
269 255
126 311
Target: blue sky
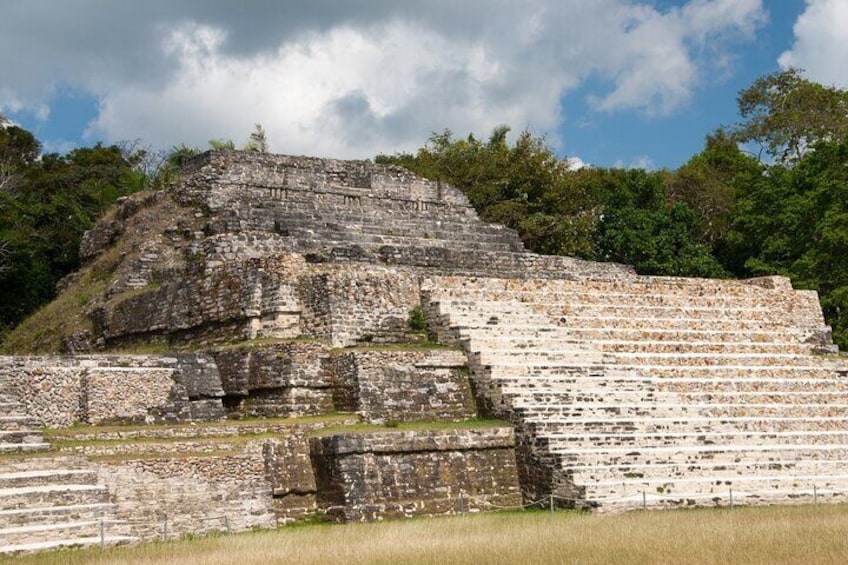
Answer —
611 82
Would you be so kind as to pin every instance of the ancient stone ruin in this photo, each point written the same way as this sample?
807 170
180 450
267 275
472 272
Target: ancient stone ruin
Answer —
279 338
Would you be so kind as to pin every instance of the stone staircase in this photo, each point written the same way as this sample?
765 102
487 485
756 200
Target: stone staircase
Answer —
658 391
46 501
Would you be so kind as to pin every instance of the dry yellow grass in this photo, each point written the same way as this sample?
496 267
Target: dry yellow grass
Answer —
786 534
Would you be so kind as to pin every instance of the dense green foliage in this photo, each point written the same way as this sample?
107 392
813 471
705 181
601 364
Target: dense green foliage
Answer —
46 203
601 214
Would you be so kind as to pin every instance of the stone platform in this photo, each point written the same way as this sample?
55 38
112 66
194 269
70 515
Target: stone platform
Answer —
250 347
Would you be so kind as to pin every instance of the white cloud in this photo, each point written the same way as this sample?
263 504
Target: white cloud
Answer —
366 77
639 162
575 163
821 42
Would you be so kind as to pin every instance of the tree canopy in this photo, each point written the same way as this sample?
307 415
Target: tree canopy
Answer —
786 114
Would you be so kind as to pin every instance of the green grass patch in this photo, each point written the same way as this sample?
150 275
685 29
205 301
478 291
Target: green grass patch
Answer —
60 444
77 430
147 455
412 426
44 331
412 346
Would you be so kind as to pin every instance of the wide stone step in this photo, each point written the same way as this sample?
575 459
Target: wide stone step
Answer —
551 345
816 368
613 396
35 515
154 448
531 357
45 533
586 475
637 297
519 323
17 421
47 477
536 361
65 543
316 212
766 488
638 284
16 447
52 494
547 425
496 334
553 383
606 308
21 436
328 237
709 359
652 440
618 411
460 230
695 454
468 323
562 313
25 463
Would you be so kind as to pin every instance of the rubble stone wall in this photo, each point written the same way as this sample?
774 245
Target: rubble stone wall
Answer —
61 391
193 495
404 386
275 379
367 476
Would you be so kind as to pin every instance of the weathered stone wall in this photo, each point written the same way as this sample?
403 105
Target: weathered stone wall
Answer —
247 300
193 494
403 386
347 305
63 390
402 474
275 379
235 174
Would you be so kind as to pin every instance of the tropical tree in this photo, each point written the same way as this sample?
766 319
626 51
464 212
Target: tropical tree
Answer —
786 114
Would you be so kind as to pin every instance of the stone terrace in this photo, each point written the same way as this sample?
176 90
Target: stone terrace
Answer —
681 389
324 203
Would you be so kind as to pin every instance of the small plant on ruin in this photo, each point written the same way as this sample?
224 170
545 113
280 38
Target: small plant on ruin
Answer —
417 319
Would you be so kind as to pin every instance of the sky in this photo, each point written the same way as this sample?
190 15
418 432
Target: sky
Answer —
626 83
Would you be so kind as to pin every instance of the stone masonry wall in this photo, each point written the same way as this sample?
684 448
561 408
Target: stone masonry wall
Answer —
275 379
236 301
193 494
403 386
61 391
347 305
235 174
402 474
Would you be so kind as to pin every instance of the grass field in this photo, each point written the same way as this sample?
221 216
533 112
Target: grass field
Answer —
768 535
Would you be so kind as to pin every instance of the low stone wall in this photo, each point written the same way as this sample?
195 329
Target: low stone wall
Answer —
371 476
275 379
191 495
217 178
403 386
61 391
